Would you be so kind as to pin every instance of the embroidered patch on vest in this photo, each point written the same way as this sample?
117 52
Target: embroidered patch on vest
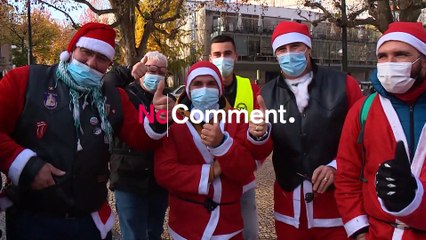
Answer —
50 100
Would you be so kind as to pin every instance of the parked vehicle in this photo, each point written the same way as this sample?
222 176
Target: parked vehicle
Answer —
176 93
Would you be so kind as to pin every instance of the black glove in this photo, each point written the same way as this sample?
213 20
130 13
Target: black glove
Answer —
395 184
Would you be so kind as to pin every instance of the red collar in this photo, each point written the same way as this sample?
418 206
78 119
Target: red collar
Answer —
413 94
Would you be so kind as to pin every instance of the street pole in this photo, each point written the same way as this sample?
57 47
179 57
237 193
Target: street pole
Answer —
344 38
30 39
329 54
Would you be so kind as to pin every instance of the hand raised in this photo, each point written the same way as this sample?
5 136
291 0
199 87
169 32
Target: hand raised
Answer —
161 102
211 135
259 129
395 184
139 69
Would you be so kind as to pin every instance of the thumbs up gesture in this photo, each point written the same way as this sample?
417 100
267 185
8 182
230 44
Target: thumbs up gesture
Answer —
211 135
258 129
139 69
162 103
395 184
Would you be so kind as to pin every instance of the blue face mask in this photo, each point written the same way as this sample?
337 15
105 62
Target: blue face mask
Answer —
225 65
293 63
84 75
204 98
150 81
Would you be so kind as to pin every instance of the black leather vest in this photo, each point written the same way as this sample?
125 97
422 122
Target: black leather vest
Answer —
313 138
83 189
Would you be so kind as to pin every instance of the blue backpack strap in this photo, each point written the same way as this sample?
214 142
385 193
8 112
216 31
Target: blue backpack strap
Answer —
362 119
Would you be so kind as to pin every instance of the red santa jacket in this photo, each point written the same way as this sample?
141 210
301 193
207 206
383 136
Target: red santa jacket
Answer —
182 166
357 201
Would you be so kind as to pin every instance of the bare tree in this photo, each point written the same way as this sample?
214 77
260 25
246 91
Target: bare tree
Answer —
379 13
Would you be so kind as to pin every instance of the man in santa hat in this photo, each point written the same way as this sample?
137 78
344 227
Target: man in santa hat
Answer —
380 179
56 127
316 100
204 162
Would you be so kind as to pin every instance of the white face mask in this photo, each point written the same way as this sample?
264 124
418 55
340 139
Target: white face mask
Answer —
395 77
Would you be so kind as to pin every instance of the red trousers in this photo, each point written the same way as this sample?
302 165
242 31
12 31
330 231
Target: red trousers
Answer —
285 231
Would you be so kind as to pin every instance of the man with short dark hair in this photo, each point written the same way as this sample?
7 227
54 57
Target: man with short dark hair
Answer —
316 100
381 176
241 94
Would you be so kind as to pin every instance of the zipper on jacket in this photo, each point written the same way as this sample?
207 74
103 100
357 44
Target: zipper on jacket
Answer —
411 133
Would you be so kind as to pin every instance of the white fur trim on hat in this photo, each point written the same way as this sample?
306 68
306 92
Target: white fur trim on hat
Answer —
200 72
402 37
97 46
291 38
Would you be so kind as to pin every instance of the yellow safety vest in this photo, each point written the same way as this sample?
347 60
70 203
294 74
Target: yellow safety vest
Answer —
244 96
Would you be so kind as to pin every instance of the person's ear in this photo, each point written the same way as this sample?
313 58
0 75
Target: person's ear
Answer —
308 52
423 61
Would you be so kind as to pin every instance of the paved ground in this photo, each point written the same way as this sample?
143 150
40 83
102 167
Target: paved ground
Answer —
265 204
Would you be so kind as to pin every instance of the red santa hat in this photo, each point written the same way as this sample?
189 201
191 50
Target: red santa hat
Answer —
204 68
411 33
97 37
290 32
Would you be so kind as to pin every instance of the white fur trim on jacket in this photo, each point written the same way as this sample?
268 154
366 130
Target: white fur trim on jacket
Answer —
356 224
224 147
18 165
203 186
418 197
150 132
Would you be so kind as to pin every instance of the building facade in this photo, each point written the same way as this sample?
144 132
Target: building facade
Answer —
252 25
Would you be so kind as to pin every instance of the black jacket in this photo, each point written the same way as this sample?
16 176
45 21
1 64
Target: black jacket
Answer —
313 138
131 170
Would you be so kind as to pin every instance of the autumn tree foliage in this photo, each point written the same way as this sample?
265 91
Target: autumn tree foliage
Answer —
141 25
46 35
